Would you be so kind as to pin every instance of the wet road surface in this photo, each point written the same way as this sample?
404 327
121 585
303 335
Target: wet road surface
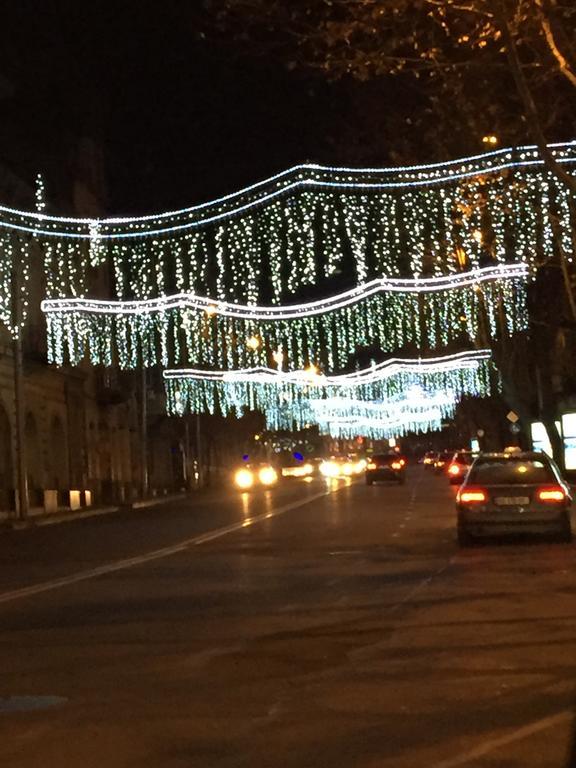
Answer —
310 625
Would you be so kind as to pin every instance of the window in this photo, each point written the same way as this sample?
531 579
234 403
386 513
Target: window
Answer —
511 472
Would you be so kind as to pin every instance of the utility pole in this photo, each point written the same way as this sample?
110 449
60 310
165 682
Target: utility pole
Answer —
22 501
199 452
188 473
144 431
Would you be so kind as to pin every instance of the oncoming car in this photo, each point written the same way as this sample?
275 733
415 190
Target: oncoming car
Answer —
341 466
386 466
513 492
250 475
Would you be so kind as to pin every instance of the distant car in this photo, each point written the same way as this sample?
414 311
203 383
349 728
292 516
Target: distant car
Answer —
297 468
249 475
341 466
459 466
386 466
442 460
511 492
429 458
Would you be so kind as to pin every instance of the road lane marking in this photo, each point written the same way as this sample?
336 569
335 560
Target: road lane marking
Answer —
158 554
492 744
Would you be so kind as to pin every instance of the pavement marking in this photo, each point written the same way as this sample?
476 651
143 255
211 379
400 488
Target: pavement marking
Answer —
158 554
493 744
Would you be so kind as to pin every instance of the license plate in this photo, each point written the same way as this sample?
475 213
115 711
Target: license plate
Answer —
512 501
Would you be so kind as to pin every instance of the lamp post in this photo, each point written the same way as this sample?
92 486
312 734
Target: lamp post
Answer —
22 499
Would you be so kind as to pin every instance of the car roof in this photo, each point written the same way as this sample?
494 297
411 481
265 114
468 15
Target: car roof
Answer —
516 456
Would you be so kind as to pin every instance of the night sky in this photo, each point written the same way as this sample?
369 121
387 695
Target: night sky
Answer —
179 118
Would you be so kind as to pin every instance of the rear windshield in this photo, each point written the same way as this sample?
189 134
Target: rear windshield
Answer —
465 458
511 472
385 459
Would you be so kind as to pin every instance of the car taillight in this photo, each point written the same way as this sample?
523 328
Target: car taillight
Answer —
553 493
472 496
454 469
401 462
397 464
371 465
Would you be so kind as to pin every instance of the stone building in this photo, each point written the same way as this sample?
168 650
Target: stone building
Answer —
83 428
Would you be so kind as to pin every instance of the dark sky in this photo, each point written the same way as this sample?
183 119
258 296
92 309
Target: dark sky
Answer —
179 119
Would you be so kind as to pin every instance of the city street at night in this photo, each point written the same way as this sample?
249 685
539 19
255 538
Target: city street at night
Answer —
318 623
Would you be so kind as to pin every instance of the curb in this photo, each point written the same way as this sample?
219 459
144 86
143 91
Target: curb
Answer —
39 521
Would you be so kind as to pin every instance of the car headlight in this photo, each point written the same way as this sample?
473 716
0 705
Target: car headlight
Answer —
347 469
267 476
329 469
244 479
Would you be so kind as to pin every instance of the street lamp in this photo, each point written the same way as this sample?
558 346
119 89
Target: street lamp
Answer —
490 140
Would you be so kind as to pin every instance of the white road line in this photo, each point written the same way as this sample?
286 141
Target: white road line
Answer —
158 554
493 744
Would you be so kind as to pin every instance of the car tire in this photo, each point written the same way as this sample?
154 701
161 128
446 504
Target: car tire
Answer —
465 538
369 481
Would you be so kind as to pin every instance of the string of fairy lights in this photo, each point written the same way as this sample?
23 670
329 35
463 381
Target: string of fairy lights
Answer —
395 396
414 411
422 256
430 313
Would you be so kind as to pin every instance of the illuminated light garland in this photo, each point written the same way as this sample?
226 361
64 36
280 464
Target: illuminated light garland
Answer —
381 429
275 239
196 391
415 411
189 301
293 178
328 332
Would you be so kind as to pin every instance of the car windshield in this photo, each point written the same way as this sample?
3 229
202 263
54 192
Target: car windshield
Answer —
513 471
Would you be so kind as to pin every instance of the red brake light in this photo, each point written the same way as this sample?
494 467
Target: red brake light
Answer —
552 493
402 462
454 469
397 464
472 496
371 465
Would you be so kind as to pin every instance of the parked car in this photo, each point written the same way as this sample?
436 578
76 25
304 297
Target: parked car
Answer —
386 466
459 466
509 492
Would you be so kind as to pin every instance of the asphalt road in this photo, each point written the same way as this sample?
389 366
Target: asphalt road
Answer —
313 625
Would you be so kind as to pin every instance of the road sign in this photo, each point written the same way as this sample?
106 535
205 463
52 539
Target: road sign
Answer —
513 417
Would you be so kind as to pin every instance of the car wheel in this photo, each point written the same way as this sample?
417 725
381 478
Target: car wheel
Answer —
465 538
369 481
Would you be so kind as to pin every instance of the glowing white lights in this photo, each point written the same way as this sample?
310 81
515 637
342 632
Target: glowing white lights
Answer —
387 399
387 313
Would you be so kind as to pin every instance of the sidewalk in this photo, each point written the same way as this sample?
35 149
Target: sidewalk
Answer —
38 517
